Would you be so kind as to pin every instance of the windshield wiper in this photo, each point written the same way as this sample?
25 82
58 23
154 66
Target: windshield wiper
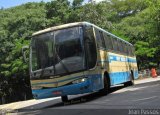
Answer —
60 60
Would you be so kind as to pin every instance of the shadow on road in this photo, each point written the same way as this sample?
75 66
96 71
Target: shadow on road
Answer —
84 98
74 100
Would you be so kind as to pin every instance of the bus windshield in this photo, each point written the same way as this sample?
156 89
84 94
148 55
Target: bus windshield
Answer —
60 51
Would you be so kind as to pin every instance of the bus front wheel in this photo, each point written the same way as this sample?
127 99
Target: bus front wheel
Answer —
106 88
64 98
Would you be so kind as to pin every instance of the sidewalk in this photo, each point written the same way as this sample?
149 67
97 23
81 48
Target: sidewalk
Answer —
22 104
146 80
41 102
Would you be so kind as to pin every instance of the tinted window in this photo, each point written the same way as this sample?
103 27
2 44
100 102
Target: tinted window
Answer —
108 42
129 50
111 43
120 44
61 51
90 48
115 44
42 51
69 50
100 39
125 48
133 51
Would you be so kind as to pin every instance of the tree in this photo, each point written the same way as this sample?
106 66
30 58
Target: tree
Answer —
57 12
15 24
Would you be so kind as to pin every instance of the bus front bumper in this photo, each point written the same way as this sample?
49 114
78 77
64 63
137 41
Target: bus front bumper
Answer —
73 89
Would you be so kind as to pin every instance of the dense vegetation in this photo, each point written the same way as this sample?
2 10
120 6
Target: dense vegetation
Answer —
137 21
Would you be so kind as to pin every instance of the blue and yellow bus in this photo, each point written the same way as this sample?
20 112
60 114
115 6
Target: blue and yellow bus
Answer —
78 58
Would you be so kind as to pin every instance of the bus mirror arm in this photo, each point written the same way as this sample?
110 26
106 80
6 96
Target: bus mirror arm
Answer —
24 48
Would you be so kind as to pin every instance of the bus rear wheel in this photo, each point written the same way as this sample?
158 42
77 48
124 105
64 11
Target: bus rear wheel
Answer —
64 98
131 82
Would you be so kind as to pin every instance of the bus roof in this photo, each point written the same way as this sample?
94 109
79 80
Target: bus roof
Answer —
58 27
75 24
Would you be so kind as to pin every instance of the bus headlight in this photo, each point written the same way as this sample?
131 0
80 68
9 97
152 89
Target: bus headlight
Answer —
79 80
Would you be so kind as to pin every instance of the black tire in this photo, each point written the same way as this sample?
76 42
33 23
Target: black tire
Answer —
64 98
106 88
131 82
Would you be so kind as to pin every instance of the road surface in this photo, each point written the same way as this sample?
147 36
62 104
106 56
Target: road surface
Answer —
140 99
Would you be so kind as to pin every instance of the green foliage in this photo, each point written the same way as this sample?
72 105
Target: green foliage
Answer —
97 14
77 3
142 29
16 24
124 8
57 12
143 49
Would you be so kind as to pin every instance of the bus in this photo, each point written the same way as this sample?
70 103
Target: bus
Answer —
79 58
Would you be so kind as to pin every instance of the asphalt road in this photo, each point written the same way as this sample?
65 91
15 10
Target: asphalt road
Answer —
140 99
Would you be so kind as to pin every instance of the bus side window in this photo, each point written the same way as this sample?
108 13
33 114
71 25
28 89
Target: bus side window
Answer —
132 51
115 44
129 50
120 46
102 40
99 38
108 42
125 48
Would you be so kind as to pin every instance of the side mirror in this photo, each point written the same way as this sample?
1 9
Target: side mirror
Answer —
24 49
